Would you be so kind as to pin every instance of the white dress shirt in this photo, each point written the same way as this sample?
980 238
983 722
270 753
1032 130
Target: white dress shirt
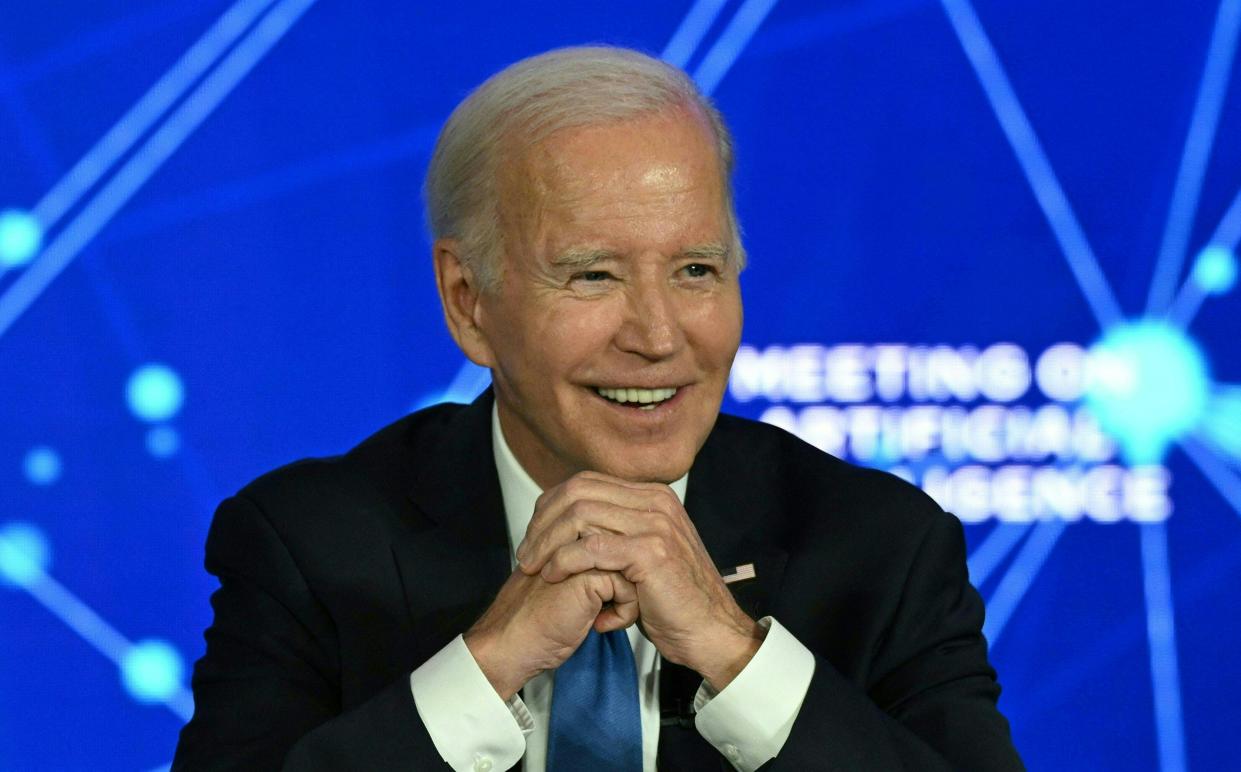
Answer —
473 729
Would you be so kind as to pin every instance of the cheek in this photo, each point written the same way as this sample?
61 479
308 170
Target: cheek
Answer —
716 331
578 332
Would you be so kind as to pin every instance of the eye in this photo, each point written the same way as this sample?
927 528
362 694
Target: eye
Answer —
593 276
698 270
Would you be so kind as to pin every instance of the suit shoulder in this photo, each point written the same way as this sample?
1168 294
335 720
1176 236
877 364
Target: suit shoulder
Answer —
809 475
374 468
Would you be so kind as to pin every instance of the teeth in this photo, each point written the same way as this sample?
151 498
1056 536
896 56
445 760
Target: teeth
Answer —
645 397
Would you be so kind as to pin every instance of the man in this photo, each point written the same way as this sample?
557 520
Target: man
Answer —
518 580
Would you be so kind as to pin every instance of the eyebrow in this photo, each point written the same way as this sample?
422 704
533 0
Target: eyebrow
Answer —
707 252
581 257
584 257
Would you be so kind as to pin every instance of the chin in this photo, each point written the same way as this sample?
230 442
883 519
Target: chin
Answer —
650 466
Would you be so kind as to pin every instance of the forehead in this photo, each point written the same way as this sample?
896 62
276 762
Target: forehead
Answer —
663 165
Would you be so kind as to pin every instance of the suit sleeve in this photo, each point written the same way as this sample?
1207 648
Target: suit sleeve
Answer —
267 692
932 703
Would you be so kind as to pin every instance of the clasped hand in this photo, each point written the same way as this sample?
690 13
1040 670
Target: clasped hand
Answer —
603 552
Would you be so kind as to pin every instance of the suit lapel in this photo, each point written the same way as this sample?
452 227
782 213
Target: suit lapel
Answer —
734 502
455 554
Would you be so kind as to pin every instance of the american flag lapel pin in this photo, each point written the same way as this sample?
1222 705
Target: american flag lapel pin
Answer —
739 574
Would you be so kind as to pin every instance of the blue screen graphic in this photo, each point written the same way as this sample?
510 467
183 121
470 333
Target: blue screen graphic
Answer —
993 249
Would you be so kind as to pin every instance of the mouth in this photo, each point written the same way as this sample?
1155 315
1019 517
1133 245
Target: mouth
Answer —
637 398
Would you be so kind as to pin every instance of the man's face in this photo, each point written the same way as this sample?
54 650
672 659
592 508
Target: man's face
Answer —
613 330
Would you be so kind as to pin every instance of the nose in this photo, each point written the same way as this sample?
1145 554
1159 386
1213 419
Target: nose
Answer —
651 328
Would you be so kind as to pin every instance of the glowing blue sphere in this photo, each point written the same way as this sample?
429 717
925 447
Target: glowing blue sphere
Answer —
1149 384
42 465
1215 270
151 671
163 441
24 554
20 238
154 393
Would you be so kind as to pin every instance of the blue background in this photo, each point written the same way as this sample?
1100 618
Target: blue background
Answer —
276 264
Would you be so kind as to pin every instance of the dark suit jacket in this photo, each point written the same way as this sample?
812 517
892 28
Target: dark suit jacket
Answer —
340 576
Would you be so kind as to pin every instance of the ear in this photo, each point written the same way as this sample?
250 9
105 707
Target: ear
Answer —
460 295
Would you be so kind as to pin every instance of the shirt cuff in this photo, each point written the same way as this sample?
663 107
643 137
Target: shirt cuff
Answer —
750 719
472 728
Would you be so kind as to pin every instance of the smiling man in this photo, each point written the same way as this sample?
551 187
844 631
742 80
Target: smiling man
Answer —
590 568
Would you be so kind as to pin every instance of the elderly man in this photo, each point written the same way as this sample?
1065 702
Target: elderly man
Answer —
518 580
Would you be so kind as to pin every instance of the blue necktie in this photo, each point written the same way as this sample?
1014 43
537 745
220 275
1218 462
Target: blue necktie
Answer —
596 723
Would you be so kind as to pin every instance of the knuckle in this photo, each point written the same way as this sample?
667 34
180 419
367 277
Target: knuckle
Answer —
655 548
599 584
576 486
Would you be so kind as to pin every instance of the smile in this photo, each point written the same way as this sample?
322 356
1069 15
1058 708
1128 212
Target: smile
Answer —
643 399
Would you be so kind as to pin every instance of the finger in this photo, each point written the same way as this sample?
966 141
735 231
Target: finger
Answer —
597 487
622 482
616 617
623 590
629 555
584 518
599 590
623 610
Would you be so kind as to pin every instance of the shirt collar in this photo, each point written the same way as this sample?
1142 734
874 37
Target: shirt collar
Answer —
519 490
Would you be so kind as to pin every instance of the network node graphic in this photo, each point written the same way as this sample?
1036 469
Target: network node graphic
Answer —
25 554
152 671
42 465
154 393
163 441
20 238
1215 270
1149 387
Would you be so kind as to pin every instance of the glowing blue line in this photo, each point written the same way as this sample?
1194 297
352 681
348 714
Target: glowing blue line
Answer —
1228 232
1183 310
691 32
79 617
1217 472
1020 576
93 629
148 159
1070 673
1202 124
134 123
1033 161
728 46
181 702
1161 632
984 559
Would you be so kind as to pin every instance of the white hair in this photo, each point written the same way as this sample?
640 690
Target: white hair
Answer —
528 101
